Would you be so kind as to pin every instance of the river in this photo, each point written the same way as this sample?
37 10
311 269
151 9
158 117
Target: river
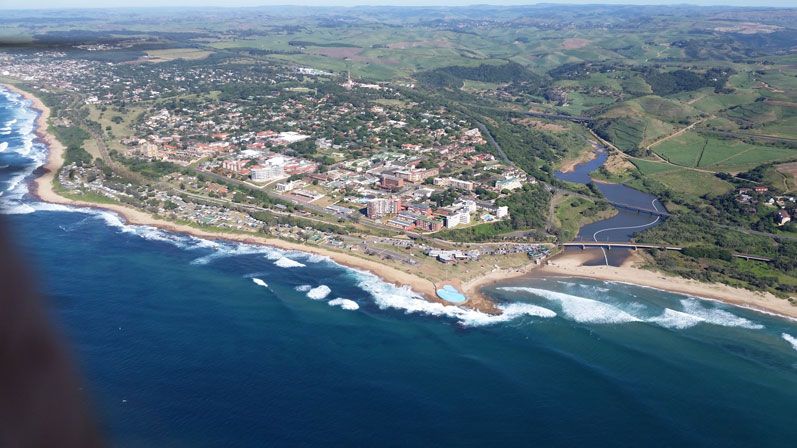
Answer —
626 223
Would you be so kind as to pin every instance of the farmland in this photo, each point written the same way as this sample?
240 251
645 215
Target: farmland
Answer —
696 150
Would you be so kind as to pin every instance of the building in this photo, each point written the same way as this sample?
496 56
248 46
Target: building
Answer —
502 212
454 183
509 183
420 209
300 166
467 204
274 168
416 175
455 217
284 187
233 165
380 207
428 224
390 182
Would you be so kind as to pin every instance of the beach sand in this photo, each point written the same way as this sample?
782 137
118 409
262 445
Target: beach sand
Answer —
571 264
43 189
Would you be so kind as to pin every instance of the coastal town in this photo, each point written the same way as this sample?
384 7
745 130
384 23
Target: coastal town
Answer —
342 223
449 173
317 159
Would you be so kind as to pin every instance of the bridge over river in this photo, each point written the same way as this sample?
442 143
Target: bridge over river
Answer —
637 209
635 246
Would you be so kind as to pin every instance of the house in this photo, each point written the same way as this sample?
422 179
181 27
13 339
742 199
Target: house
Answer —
782 217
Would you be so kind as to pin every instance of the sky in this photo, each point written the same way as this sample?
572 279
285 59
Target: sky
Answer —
38 4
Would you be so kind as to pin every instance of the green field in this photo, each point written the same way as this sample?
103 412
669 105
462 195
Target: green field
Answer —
681 180
696 150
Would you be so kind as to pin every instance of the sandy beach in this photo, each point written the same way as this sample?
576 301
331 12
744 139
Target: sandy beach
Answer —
43 189
571 264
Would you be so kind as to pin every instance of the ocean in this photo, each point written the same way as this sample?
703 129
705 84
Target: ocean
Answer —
190 342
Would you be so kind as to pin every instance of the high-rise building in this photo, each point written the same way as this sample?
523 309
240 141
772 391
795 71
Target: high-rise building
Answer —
380 207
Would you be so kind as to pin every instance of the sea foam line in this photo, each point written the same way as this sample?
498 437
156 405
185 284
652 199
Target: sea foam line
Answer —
585 310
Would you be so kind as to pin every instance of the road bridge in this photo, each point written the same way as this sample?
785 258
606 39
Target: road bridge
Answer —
634 246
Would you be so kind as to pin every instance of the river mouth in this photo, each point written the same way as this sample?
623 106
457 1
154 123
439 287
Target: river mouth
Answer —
626 223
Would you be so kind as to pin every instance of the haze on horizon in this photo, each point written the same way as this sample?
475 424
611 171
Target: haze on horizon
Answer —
57 4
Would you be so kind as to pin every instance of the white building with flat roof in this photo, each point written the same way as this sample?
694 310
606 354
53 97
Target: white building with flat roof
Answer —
271 170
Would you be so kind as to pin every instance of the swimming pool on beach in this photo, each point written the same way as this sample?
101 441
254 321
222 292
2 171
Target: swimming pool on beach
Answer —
451 294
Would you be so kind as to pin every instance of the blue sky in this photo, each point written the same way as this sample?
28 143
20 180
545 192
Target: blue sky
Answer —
25 4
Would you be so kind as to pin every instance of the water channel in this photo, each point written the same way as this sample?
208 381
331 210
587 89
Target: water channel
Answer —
625 223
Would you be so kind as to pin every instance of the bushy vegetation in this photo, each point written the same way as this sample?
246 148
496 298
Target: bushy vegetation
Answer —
527 207
453 76
668 83
277 220
73 137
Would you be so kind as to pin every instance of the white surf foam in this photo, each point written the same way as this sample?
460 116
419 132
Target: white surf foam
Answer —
346 304
314 258
387 296
790 339
259 282
303 288
285 262
717 316
227 250
581 309
3 146
676 319
319 292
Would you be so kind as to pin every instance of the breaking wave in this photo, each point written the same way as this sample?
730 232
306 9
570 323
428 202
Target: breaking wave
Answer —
3 146
315 258
676 319
319 292
303 288
227 250
285 262
790 339
387 296
346 304
259 282
717 316
581 309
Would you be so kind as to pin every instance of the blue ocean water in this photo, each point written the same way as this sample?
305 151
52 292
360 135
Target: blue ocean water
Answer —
185 342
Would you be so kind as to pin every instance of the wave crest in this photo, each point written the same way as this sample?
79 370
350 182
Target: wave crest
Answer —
581 309
319 292
346 304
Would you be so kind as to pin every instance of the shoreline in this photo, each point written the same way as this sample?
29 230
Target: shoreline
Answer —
42 188
572 265
570 165
562 265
